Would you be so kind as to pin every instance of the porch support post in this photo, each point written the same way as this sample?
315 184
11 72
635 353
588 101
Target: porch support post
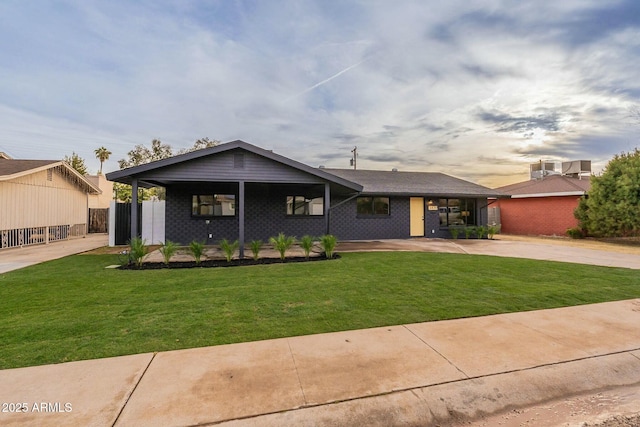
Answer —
134 208
241 218
327 202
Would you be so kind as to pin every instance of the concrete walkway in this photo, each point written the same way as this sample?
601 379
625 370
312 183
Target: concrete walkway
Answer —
16 258
419 374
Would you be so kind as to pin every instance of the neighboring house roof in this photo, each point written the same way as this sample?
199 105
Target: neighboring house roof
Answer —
414 183
15 168
126 175
549 186
12 168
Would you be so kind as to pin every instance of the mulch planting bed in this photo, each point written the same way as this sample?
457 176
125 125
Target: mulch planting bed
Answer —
212 263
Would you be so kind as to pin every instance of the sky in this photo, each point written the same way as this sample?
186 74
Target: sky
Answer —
475 89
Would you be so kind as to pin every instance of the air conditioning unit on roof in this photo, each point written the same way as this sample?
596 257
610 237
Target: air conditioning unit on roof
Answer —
541 169
576 168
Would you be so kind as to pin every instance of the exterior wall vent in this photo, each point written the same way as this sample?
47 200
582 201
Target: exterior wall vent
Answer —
238 161
394 170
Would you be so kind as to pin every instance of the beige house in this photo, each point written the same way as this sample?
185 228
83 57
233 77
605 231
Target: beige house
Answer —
41 201
102 200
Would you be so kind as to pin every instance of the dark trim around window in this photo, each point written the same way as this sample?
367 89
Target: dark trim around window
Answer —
368 206
302 206
213 205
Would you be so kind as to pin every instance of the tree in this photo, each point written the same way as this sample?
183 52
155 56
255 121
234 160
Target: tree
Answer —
205 143
200 144
76 162
102 154
141 155
612 208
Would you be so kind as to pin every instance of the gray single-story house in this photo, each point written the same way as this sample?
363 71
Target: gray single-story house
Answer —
239 191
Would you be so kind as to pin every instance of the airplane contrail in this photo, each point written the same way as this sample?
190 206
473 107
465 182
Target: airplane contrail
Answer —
325 80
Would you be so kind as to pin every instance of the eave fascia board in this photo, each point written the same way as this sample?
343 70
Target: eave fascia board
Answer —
558 194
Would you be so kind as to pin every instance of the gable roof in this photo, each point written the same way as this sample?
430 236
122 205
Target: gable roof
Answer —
397 183
366 181
128 174
549 186
15 168
11 167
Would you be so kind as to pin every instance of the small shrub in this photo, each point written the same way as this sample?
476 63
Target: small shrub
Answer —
306 242
454 232
124 257
328 242
229 248
468 231
492 231
575 233
256 245
481 230
197 249
168 249
139 250
282 243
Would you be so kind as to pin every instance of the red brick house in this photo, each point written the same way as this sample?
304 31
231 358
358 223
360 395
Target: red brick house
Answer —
541 206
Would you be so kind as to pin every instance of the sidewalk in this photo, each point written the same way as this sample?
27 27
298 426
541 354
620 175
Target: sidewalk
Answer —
417 374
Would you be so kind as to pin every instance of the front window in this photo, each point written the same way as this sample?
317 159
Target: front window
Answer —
213 205
457 212
372 205
303 206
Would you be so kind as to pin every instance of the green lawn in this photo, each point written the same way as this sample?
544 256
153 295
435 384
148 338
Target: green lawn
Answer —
74 308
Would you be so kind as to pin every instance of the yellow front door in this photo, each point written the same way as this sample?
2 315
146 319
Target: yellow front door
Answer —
416 208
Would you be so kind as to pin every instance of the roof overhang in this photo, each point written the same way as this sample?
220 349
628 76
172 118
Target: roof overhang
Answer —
90 187
557 194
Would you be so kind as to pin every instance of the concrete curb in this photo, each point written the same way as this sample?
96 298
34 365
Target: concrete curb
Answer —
465 400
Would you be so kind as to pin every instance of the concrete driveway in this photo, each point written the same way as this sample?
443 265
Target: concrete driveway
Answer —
550 249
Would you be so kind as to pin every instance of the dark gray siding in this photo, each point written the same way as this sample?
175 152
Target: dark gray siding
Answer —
265 214
265 211
181 227
346 225
235 165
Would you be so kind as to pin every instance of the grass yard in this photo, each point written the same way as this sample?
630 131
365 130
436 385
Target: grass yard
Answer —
74 308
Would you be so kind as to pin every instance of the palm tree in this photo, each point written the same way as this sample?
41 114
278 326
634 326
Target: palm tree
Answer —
102 154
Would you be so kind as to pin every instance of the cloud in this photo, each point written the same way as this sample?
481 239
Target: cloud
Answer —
504 122
443 86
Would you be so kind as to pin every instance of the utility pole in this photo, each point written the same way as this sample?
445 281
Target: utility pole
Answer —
354 157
